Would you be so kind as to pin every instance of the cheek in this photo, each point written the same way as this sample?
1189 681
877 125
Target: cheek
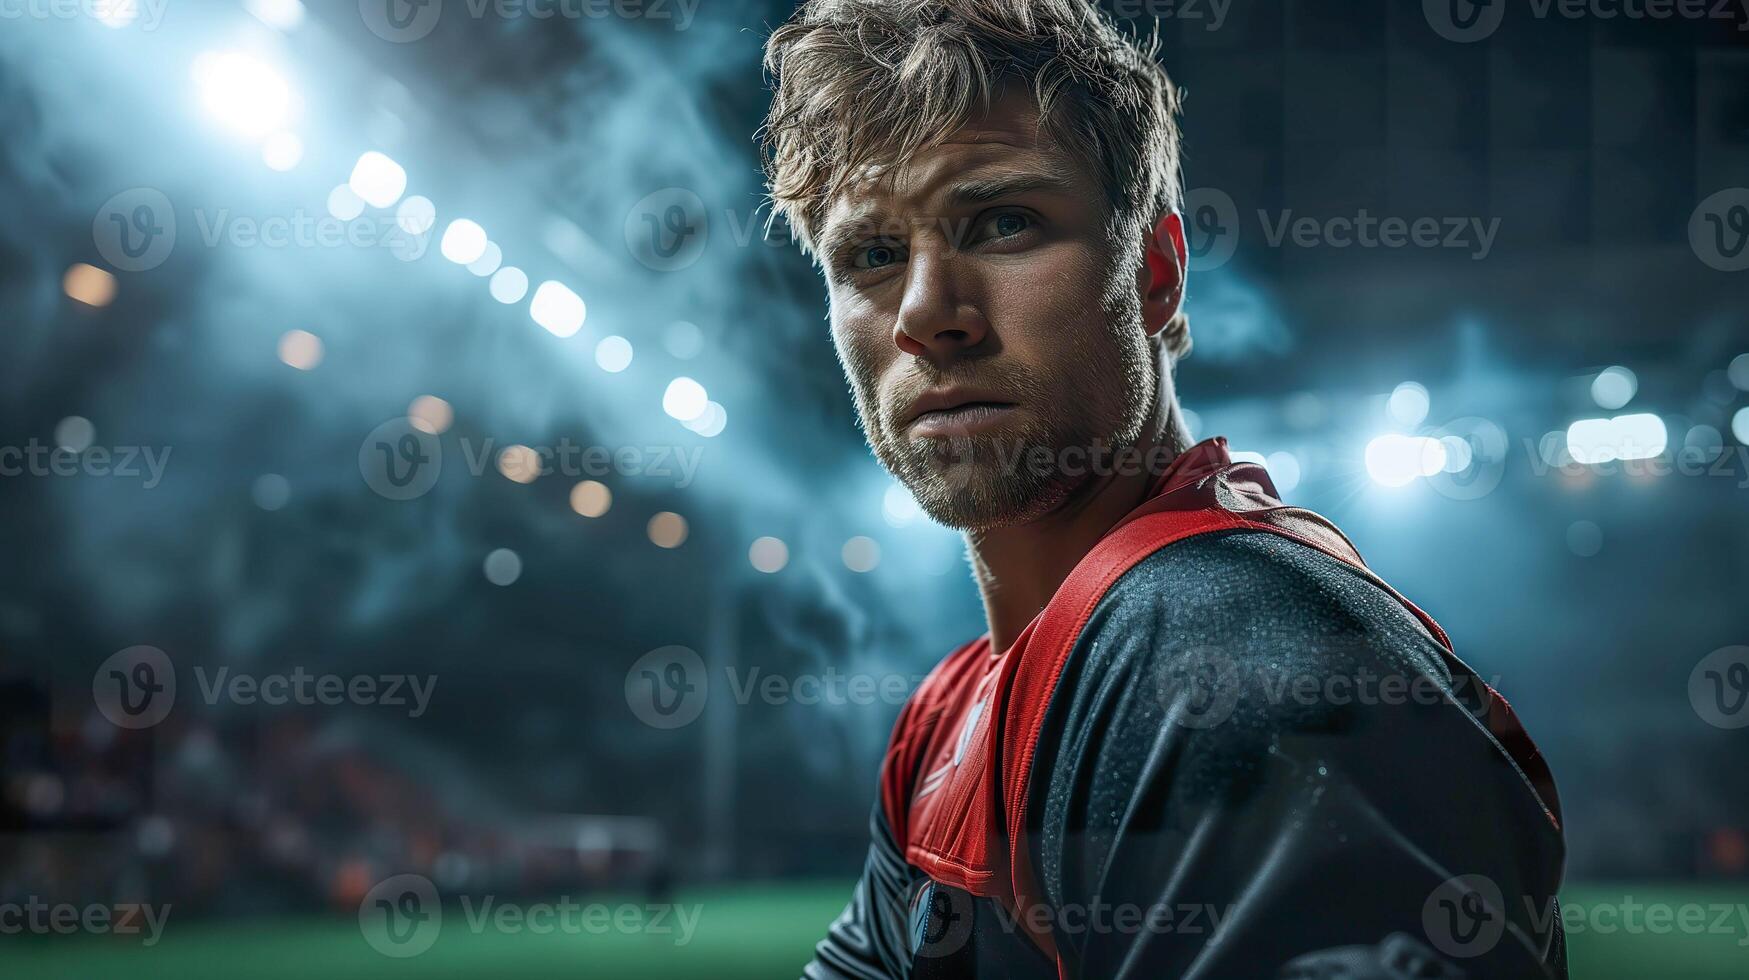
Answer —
1052 316
857 340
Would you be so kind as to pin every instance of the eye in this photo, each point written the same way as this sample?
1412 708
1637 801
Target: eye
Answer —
1005 224
876 256
1010 224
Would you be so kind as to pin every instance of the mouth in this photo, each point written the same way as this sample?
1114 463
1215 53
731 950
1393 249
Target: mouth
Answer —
962 419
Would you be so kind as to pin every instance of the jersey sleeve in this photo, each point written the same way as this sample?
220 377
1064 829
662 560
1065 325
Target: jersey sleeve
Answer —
868 939
1257 764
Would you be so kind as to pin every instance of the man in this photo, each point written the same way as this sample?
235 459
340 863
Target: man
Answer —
1200 738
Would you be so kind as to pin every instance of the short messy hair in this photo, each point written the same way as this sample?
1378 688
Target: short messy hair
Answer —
857 83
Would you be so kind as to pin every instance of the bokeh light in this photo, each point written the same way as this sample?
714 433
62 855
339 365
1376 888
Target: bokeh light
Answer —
591 498
1408 404
519 464
667 529
768 554
613 354
300 349
861 554
557 309
1614 387
430 414
378 180
88 284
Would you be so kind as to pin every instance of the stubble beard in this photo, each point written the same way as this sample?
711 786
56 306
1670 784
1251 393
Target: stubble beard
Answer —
1101 402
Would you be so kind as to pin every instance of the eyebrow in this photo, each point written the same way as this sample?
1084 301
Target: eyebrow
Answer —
970 191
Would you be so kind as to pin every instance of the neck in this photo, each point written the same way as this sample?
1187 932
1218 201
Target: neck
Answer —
1019 568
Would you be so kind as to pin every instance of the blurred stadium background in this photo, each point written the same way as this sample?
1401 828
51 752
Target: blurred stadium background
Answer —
261 261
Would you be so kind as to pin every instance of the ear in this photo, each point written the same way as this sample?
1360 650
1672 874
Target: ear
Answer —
1160 280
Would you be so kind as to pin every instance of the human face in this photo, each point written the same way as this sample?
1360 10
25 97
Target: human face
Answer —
983 322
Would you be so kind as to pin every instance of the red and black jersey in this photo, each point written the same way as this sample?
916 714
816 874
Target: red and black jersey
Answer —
1225 748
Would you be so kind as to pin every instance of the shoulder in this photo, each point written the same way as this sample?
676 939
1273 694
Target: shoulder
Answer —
1248 620
1227 654
1251 590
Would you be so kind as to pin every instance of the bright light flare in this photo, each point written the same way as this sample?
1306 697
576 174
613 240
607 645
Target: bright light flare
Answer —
281 15
1397 460
282 151
1638 436
244 93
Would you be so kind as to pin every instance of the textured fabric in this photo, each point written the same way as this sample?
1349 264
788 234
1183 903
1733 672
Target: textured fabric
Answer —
1241 736
1192 807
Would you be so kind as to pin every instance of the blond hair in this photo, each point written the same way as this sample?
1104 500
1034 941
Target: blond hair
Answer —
871 82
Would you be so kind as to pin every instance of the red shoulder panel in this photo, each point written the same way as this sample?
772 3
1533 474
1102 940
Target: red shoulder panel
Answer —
955 779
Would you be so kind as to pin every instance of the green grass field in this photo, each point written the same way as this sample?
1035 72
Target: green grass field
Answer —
762 932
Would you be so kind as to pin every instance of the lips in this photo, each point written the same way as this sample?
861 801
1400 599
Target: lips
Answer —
955 412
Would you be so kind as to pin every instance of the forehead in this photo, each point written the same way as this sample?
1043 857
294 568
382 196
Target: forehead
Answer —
1002 142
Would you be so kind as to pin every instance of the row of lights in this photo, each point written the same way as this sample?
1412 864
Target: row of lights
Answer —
1396 459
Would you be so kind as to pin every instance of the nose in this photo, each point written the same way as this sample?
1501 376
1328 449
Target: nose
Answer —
936 319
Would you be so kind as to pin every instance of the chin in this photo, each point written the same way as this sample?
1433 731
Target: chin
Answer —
979 497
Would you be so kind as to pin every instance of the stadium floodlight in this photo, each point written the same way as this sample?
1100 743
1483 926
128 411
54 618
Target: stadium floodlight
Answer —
1397 460
244 93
